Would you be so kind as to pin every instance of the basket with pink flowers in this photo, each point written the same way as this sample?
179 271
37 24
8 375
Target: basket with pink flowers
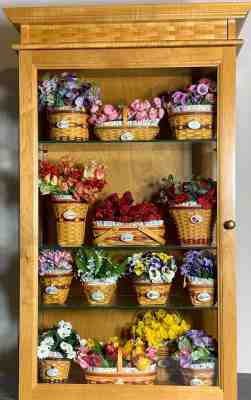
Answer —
139 121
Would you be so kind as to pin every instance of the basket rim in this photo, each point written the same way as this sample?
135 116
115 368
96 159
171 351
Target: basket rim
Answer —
68 274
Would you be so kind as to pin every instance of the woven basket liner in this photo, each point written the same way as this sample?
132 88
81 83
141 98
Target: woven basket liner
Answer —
142 235
77 129
63 367
61 282
107 290
179 125
115 133
142 288
70 233
120 375
193 233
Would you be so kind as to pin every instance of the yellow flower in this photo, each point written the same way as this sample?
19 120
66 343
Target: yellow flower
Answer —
139 268
160 314
114 340
128 347
91 343
143 363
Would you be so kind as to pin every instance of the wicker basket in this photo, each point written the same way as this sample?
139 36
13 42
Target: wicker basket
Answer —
99 293
193 122
127 130
149 293
54 370
194 225
201 291
199 376
108 233
120 375
66 125
55 288
70 217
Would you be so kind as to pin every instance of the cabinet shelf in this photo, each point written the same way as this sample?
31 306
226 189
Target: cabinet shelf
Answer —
171 247
90 142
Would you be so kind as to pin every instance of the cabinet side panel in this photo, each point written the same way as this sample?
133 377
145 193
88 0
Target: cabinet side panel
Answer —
28 226
226 211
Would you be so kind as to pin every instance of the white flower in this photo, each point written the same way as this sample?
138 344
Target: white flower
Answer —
63 333
55 354
71 355
65 325
64 346
83 342
49 341
154 275
43 352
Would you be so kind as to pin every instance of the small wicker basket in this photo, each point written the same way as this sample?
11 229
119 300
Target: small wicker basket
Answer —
149 293
194 122
198 376
201 291
54 370
55 288
67 125
127 130
107 233
99 293
120 374
194 225
70 218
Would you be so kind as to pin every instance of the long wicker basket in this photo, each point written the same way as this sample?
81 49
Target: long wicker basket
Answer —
120 375
194 122
99 293
152 293
55 288
194 225
127 130
108 233
70 218
54 370
67 125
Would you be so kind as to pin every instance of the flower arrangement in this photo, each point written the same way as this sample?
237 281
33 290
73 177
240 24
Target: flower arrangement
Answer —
61 342
138 110
96 265
57 262
83 182
203 92
157 328
152 267
67 91
199 264
192 193
96 354
122 209
195 347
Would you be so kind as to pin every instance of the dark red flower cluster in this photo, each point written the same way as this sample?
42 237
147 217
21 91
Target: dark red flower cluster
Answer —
122 209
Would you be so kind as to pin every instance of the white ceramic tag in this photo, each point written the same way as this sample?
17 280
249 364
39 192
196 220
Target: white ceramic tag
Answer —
98 295
126 237
194 125
204 296
196 219
51 290
126 136
70 215
62 124
52 372
153 295
196 382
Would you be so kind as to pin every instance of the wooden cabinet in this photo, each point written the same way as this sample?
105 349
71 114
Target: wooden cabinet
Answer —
131 52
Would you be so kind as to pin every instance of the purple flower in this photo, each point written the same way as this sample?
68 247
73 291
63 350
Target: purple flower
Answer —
202 89
176 97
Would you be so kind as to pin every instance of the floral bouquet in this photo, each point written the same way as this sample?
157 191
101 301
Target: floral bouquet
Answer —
116 361
197 355
98 274
199 271
55 268
128 123
152 275
191 109
56 348
128 223
191 205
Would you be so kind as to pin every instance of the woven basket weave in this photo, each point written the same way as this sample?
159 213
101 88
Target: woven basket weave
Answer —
99 293
152 293
198 377
131 234
70 223
68 125
194 225
54 370
126 131
191 125
121 375
55 288
201 294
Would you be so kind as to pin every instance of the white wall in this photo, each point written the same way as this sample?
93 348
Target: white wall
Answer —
9 192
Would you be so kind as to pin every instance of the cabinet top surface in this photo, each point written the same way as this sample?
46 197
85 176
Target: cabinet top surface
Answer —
125 13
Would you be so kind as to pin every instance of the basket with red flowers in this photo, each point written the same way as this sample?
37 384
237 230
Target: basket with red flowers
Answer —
118 221
191 205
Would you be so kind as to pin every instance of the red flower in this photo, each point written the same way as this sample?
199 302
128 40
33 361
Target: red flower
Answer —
181 198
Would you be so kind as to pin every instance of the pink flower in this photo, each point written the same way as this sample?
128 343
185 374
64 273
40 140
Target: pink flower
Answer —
157 102
113 116
131 114
205 81
151 353
94 109
147 105
202 89
161 113
140 116
108 109
102 118
135 105
100 172
153 113
93 119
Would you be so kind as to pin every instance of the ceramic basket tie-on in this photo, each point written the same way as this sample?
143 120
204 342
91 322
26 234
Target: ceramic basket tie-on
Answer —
127 130
68 125
192 122
120 374
70 216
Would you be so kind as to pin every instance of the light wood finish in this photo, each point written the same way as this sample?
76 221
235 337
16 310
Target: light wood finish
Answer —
134 51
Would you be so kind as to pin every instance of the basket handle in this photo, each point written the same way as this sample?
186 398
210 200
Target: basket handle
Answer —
120 360
125 116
